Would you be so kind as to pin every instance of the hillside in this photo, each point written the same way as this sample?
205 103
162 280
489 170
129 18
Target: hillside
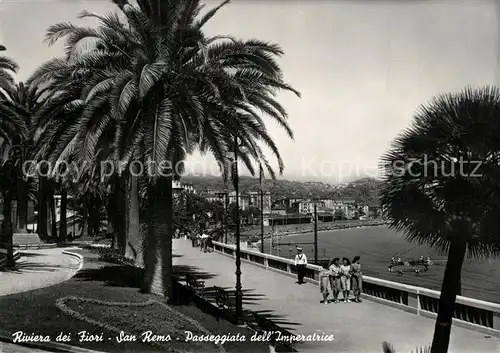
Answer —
364 190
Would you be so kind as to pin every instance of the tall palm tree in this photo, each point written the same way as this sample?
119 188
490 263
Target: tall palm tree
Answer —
442 186
12 126
167 88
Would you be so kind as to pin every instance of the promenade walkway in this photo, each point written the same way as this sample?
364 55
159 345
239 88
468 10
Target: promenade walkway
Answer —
15 348
38 269
357 327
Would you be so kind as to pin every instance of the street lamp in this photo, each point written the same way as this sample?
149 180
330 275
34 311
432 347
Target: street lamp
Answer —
315 234
239 293
261 180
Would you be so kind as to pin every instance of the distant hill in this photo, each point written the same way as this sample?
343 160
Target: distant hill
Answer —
363 190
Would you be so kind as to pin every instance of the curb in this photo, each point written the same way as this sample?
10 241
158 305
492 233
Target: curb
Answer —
3 260
48 346
80 260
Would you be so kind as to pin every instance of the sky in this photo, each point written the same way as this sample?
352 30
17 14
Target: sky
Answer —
362 67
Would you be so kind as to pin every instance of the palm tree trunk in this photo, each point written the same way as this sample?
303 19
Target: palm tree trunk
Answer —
449 290
42 208
84 216
135 243
22 206
53 218
7 228
63 223
158 261
117 211
96 215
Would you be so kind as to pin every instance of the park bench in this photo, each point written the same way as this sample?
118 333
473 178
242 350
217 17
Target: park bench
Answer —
223 299
195 285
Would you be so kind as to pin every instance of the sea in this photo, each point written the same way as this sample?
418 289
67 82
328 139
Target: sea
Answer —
377 245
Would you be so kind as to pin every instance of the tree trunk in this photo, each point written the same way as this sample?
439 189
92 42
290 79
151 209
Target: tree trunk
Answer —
158 261
22 206
42 208
84 216
135 243
96 215
7 228
63 223
449 290
117 211
53 218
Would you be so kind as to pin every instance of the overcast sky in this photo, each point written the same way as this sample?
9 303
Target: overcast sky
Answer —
363 67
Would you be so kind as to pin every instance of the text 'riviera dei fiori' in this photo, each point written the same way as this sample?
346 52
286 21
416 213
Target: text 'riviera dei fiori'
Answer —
149 336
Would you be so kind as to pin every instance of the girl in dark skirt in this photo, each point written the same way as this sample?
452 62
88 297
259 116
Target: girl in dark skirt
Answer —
335 278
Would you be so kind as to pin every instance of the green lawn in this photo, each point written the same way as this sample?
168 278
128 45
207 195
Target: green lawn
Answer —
376 246
36 312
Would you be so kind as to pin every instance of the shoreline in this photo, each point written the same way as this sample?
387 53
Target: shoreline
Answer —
328 228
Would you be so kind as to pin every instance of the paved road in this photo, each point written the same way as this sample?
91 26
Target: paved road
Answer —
38 269
357 327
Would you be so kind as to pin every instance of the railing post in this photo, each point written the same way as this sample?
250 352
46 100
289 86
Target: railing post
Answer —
413 301
496 321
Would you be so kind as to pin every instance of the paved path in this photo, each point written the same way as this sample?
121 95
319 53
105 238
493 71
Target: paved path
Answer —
357 327
38 269
15 348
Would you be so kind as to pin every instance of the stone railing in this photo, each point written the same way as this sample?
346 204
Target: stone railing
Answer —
470 313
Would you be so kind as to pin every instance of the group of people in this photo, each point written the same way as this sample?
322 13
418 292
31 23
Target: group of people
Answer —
203 240
336 277
342 277
421 260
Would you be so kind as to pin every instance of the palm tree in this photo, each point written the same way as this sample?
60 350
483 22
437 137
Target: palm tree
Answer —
12 126
167 88
442 186
388 348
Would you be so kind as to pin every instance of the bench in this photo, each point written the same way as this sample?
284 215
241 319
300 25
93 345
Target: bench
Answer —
196 286
223 299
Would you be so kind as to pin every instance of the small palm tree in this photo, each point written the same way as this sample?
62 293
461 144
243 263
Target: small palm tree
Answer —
389 348
442 186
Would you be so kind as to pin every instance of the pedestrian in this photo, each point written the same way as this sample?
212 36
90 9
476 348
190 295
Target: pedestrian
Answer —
356 279
324 282
204 241
335 278
345 279
300 265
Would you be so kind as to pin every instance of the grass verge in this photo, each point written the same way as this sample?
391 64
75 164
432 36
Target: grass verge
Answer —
35 312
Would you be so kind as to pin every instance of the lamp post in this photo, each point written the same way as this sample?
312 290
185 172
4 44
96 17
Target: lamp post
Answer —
261 221
239 293
261 175
315 234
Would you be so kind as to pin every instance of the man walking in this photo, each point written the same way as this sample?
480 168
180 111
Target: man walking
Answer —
300 264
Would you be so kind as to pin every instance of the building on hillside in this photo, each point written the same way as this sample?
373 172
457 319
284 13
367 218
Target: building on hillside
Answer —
307 206
325 216
255 198
274 219
279 210
178 187
243 199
